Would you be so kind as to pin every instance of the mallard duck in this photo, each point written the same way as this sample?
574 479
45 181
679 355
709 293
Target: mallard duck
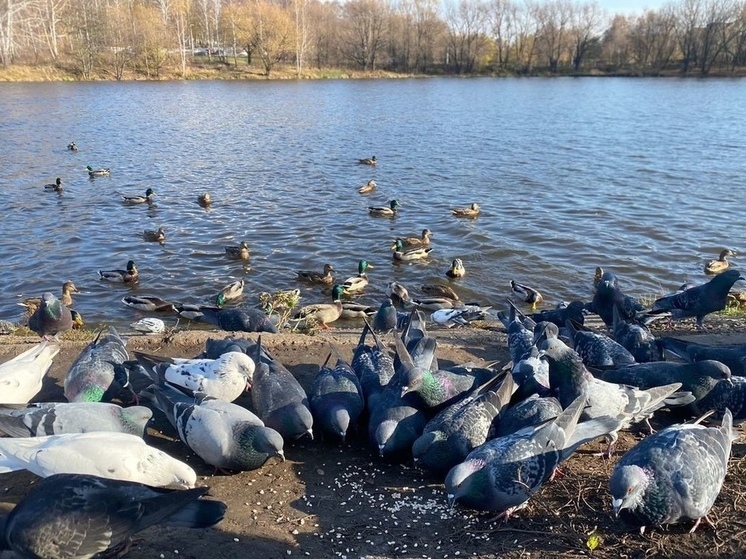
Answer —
147 199
597 275
130 275
103 172
437 303
367 188
77 320
357 310
68 288
528 294
204 200
147 303
358 282
456 270
397 293
437 290
716 266
323 313
416 253
238 252
384 211
368 161
158 236
472 211
56 186
424 240
230 292
72 147
316 277
149 325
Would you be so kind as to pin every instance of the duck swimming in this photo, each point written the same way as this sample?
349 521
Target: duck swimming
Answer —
368 187
472 211
130 275
158 236
240 252
103 172
147 199
56 186
318 277
230 292
424 239
204 200
719 265
456 270
384 211
416 253
368 161
72 147
358 282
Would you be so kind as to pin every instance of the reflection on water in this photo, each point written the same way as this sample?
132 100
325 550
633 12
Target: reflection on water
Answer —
631 175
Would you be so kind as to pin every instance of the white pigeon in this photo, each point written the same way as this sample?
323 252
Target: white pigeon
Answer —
104 454
21 377
224 378
460 316
149 325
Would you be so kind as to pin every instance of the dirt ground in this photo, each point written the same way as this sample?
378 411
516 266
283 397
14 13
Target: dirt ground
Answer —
333 501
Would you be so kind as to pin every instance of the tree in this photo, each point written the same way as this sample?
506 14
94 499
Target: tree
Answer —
467 34
365 24
615 47
553 18
272 34
652 41
585 29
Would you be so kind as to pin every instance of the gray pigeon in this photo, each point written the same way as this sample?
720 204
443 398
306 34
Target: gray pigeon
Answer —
531 376
394 424
50 318
734 356
77 516
698 301
504 473
520 332
238 319
597 350
373 366
278 398
216 348
39 420
336 399
461 427
94 376
530 412
635 338
386 318
223 434
559 316
608 296
673 475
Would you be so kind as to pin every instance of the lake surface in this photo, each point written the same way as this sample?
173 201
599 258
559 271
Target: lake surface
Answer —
642 177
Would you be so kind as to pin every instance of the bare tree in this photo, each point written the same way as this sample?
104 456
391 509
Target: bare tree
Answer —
365 25
502 29
585 30
554 18
467 34
615 47
652 41
718 31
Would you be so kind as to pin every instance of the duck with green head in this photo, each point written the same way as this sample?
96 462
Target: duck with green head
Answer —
230 292
134 199
72 147
409 254
56 186
103 172
130 275
358 282
323 313
385 211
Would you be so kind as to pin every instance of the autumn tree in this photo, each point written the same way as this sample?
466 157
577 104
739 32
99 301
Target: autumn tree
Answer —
271 34
467 34
364 31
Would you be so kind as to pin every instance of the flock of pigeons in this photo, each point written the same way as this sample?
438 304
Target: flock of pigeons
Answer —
494 436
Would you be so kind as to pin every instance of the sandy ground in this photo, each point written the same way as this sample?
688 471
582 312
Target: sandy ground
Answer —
332 501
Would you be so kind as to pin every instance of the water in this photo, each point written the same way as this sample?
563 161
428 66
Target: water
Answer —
642 177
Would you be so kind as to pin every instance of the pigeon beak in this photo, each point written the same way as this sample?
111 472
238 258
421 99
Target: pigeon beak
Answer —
248 385
729 381
281 454
616 504
404 390
451 500
381 448
310 433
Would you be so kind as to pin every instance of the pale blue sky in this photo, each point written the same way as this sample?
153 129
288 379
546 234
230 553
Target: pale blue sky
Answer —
630 6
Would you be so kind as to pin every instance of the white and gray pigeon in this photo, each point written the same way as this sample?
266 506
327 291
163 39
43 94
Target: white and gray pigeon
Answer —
278 398
461 316
100 453
336 399
223 434
734 355
224 378
698 301
76 516
672 476
94 376
21 377
504 473
597 350
58 418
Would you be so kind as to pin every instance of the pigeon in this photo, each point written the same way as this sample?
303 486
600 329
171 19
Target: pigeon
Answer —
223 434
51 318
215 348
597 350
101 453
373 366
336 399
504 473
520 332
238 319
149 325
635 338
224 378
534 410
58 418
607 296
527 294
386 317
462 316
78 516
698 301
734 356
95 375
672 476
531 376
278 398
461 427
560 315
394 424
21 377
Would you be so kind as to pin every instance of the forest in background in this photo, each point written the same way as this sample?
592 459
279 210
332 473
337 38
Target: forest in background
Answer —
190 39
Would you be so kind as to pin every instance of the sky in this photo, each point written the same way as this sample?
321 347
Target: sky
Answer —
630 6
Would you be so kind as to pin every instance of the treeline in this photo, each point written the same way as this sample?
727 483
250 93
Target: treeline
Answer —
114 37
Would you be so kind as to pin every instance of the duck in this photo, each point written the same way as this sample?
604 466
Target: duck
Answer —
72 147
68 288
437 290
423 240
358 282
204 200
719 265
368 160
528 294
103 172
56 186
352 310
323 313
417 253
456 270
472 211
130 275
148 198
239 252
384 211
437 303
597 275
230 292
147 303
398 294
77 320
313 276
158 236
368 187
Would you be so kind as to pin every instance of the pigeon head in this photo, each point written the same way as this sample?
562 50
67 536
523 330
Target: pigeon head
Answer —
242 363
255 439
608 281
627 486
467 482
728 278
